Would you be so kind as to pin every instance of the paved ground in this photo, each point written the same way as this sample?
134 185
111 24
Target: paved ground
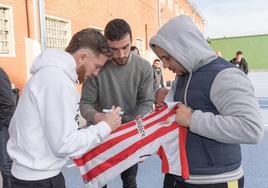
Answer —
255 157
255 160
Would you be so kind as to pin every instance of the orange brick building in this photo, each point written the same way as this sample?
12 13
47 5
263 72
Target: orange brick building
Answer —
28 26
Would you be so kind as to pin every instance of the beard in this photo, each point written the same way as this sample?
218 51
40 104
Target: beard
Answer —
121 61
81 73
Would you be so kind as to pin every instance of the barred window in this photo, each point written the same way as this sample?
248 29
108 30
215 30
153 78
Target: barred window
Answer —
6 31
170 5
97 28
140 45
163 2
177 8
57 33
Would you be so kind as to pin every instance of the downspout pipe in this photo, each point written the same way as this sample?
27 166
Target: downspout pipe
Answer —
36 21
42 24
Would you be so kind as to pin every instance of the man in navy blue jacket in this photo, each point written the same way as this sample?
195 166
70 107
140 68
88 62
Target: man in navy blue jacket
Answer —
210 91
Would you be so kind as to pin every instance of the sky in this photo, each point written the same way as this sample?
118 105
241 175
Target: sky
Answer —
229 18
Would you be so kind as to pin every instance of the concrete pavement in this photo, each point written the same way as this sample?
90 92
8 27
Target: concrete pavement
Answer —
254 160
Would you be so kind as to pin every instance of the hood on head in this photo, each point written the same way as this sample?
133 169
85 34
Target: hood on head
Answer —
181 39
55 58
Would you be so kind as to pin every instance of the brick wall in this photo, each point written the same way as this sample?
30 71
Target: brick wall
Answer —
142 15
15 66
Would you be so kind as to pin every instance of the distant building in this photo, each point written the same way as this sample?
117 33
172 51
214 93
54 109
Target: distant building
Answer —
28 26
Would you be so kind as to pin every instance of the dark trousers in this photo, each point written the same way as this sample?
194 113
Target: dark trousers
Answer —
129 177
5 161
172 181
53 182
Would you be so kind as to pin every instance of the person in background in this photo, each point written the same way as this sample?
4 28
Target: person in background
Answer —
160 95
158 76
44 130
125 81
135 50
7 107
240 62
218 121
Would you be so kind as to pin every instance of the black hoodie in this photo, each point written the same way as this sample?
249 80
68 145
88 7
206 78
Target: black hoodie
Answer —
7 103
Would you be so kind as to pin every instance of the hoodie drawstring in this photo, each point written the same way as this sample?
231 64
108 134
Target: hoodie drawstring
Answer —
186 89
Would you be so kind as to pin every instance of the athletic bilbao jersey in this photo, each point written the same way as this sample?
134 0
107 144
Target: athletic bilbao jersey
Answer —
135 141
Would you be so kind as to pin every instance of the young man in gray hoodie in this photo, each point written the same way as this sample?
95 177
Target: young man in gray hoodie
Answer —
210 91
125 81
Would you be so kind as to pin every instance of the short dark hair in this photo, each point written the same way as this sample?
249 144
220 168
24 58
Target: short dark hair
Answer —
91 39
239 53
117 29
157 60
132 48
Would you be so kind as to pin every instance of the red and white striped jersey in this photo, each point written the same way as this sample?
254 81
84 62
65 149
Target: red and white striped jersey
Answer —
133 142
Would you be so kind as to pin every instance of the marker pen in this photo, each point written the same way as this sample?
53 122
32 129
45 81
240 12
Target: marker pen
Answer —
108 110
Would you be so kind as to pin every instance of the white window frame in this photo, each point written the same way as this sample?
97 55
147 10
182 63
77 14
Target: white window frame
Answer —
12 51
182 11
69 31
163 2
170 5
142 51
97 28
177 8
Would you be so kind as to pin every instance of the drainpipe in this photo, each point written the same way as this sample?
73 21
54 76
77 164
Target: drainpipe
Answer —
42 24
33 19
35 41
36 21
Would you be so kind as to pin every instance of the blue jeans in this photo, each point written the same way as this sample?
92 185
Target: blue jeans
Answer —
5 161
172 181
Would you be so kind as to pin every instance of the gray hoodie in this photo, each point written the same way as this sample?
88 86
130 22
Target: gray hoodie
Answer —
232 93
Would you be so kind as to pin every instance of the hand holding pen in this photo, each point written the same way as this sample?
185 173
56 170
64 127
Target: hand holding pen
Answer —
113 119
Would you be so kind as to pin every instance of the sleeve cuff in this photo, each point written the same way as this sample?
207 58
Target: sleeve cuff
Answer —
103 128
194 121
